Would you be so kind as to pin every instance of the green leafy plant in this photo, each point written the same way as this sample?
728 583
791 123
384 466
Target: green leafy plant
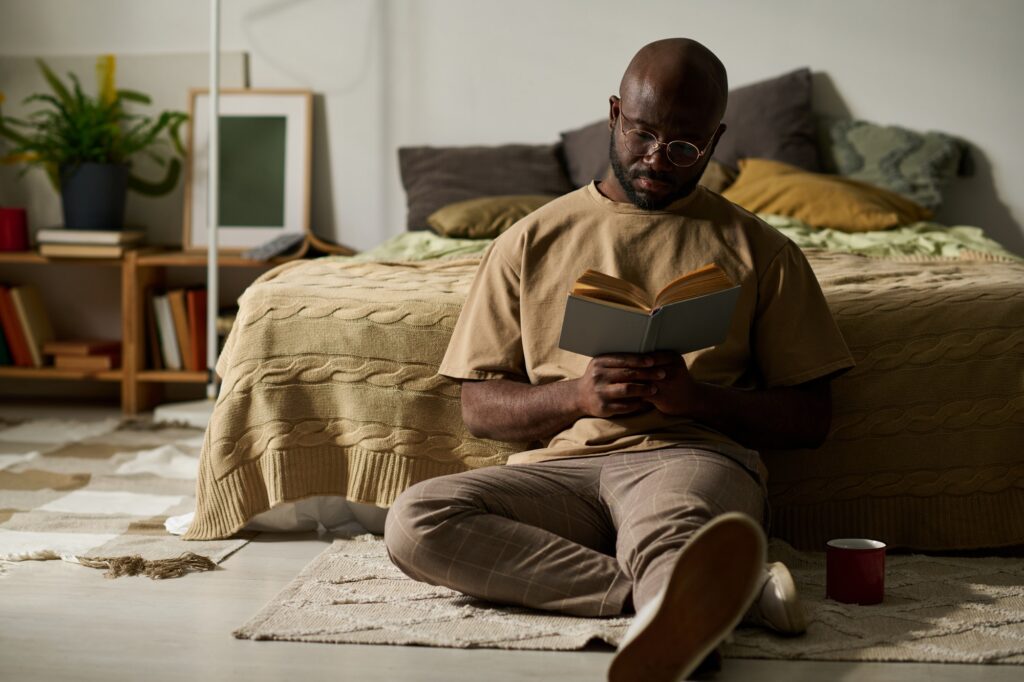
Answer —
73 128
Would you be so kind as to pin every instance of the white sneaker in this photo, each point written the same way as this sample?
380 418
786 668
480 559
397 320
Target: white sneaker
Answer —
713 582
777 606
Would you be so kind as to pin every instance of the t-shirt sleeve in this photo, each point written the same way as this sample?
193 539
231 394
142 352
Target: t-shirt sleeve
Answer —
487 341
795 339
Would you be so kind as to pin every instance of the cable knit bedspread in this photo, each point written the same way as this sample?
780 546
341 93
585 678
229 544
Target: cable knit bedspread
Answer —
330 388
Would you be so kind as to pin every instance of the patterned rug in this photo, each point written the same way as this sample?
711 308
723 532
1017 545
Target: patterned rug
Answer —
968 610
98 492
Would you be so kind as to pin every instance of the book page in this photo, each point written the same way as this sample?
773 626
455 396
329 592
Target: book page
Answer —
699 282
597 285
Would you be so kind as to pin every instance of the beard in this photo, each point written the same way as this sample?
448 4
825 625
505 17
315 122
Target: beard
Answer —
643 200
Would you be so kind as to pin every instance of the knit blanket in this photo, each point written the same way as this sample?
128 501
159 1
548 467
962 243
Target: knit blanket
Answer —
330 388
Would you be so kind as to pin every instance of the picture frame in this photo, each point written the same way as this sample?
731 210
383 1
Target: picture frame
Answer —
266 154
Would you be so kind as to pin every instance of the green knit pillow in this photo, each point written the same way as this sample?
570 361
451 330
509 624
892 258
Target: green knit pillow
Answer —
916 165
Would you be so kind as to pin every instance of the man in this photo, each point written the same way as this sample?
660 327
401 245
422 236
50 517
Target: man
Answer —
647 492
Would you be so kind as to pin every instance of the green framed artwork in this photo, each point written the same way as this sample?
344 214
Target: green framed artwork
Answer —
265 161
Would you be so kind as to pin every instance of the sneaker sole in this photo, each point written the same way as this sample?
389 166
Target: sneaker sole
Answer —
713 582
796 621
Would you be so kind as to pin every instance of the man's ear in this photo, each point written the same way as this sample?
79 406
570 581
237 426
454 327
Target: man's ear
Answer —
718 136
613 111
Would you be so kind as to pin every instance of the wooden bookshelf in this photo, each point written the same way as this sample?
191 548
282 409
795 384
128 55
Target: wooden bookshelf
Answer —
141 386
57 373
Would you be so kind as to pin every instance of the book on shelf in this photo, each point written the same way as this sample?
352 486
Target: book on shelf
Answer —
84 354
82 347
606 314
195 300
179 314
170 353
5 353
87 362
154 359
54 235
13 332
34 320
84 250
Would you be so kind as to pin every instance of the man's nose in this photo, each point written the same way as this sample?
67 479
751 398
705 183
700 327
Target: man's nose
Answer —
658 159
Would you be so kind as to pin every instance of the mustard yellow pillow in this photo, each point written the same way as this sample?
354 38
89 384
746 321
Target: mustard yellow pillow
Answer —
820 200
486 217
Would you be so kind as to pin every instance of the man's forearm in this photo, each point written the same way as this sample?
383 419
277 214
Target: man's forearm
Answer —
515 411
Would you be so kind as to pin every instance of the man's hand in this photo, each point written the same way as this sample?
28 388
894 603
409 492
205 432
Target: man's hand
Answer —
677 394
618 383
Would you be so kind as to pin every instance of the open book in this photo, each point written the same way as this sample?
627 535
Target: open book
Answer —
605 314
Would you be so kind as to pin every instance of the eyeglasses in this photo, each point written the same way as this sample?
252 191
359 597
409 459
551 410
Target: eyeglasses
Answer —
643 143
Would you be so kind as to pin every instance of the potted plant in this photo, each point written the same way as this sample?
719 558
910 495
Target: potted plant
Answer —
85 144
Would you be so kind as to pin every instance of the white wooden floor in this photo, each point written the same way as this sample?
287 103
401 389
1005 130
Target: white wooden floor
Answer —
60 621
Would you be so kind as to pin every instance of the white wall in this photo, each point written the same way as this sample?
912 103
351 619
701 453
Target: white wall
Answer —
395 72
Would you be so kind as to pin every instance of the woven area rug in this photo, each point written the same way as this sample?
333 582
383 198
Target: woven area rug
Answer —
936 609
98 492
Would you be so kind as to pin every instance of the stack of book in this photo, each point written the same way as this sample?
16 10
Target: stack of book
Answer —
60 243
176 329
26 326
90 355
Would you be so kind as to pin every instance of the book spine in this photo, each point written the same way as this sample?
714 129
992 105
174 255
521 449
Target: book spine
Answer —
154 353
179 314
196 300
13 331
5 352
651 332
86 362
165 326
34 320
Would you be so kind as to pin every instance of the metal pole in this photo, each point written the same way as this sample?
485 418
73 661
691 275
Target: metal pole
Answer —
212 204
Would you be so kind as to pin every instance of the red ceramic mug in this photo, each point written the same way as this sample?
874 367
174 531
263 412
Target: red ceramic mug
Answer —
13 229
855 570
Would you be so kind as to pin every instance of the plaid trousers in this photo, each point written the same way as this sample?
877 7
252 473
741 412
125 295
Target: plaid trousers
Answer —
586 536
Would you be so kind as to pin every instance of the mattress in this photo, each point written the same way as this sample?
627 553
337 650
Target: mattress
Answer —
330 388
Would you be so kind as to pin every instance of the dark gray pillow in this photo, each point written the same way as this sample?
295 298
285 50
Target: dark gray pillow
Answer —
771 119
437 176
585 151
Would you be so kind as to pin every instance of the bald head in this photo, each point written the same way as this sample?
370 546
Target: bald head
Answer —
674 91
677 78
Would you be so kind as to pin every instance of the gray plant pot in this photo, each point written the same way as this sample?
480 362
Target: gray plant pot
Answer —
93 195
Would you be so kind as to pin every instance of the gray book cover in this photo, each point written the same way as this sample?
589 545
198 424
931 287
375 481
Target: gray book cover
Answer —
592 328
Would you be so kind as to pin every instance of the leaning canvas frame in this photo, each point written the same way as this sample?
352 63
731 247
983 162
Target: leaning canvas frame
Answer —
296 108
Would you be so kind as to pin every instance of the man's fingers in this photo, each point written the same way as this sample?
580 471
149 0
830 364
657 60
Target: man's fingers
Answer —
665 357
638 360
625 406
617 391
626 375
624 360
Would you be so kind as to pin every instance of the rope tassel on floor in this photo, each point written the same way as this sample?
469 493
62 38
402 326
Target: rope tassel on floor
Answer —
157 569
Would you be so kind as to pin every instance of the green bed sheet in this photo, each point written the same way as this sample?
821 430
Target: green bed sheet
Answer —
924 239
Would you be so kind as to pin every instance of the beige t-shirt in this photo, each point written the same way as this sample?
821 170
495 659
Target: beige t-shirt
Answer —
782 332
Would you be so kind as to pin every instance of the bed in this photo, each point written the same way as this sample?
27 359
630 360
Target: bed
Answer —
330 385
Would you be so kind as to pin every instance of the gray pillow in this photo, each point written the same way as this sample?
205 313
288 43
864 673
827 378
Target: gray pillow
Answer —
585 151
438 176
771 119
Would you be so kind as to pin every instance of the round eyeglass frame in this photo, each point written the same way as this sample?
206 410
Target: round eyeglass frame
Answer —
640 142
